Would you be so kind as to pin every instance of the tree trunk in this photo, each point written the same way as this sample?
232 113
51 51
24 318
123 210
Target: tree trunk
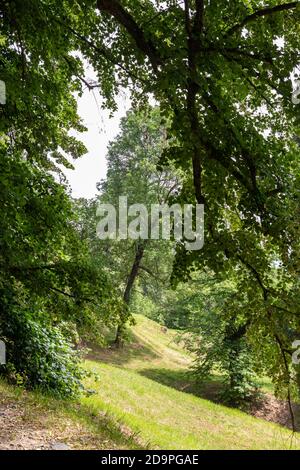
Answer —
128 289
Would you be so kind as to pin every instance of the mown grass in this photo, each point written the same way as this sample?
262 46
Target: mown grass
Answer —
140 385
140 401
75 423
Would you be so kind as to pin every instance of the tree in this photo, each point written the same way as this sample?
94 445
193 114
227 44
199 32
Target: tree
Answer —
221 73
209 312
47 282
132 172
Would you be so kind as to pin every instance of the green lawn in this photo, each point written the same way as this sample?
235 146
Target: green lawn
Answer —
139 401
30 420
140 387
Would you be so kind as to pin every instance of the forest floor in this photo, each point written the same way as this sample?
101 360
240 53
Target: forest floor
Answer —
143 398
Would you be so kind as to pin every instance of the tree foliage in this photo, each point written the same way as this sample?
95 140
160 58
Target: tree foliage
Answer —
221 74
46 274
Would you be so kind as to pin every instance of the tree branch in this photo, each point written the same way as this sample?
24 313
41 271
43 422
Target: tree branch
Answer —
241 52
102 51
286 366
115 9
62 292
192 90
283 350
261 13
257 277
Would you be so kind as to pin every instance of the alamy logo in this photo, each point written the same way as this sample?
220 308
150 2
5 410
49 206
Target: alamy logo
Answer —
135 222
2 92
296 354
2 353
296 93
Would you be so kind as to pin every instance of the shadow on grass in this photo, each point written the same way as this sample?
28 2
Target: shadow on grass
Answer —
183 381
264 406
119 356
104 425
90 426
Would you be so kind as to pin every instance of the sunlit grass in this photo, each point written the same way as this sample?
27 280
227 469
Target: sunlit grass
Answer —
139 386
140 401
77 424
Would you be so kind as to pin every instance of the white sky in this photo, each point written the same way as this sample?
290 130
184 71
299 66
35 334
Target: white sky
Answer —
91 168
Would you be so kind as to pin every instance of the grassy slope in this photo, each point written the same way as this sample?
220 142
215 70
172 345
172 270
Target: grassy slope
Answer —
29 420
132 389
137 404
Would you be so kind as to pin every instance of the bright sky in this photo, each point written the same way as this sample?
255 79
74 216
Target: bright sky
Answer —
91 168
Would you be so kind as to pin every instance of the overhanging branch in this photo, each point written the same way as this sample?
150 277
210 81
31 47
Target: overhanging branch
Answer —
259 14
116 10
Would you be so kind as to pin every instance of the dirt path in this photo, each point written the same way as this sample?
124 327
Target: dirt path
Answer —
20 430
34 422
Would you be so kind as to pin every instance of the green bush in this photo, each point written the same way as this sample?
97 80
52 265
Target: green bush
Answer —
40 356
221 345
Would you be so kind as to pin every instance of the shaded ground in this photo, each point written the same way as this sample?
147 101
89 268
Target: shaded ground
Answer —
33 422
166 418
276 411
266 406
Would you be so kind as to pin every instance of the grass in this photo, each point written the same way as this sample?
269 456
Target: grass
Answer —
33 420
143 386
140 401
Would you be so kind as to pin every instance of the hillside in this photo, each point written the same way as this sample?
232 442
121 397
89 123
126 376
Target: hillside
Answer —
132 387
138 401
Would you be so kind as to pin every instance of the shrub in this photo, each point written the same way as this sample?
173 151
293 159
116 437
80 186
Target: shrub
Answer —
40 356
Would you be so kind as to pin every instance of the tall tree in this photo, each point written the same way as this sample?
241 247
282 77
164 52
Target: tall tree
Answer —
132 172
221 72
46 278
